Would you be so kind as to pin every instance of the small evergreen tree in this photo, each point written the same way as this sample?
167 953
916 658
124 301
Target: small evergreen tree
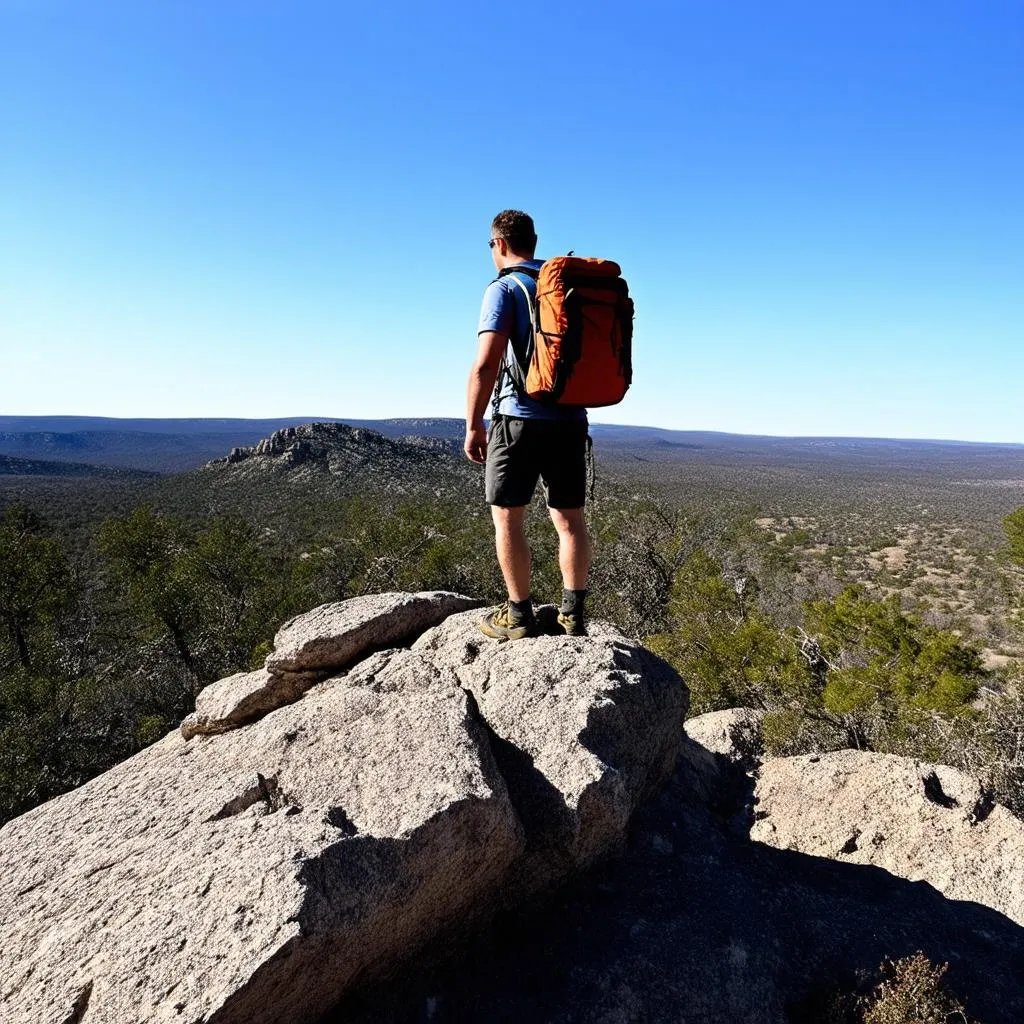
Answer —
1013 524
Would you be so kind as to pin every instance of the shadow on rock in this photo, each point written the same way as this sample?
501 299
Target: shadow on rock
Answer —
697 923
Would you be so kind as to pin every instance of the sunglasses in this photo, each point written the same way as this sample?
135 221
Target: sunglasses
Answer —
492 243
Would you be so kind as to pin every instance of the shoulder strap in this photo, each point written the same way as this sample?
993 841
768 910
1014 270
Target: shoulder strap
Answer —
519 269
529 305
512 367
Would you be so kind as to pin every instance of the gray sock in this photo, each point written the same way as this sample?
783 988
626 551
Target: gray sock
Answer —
521 610
572 602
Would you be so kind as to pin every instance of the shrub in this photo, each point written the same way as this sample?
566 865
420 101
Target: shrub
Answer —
912 993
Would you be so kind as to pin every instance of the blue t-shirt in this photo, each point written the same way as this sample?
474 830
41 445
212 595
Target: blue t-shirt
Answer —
505 311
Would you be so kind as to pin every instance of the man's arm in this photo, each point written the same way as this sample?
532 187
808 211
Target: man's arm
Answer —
481 383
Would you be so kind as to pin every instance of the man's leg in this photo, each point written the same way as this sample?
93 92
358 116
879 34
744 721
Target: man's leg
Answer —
514 619
513 551
510 479
564 472
574 548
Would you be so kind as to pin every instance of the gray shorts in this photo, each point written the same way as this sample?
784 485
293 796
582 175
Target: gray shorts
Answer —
519 452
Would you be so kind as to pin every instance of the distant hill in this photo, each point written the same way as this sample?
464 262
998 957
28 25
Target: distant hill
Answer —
308 463
178 445
965 482
163 446
272 480
340 450
173 446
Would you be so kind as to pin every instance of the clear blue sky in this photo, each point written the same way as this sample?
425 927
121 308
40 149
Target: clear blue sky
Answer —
268 209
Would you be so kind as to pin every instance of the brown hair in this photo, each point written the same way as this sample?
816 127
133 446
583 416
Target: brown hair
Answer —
517 229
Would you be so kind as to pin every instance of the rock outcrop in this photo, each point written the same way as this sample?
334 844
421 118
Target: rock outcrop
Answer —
735 734
397 820
311 647
341 450
331 637
919 821
698 923
316 840
583 728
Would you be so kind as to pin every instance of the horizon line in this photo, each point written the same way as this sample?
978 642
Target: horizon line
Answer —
299 420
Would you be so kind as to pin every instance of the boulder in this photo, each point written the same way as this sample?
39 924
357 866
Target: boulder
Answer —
243 698
583 729
734 733
718 753
331 637
314 645
696 922
919 821
252 876
301 838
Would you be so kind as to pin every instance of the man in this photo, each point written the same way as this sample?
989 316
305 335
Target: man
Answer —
527 440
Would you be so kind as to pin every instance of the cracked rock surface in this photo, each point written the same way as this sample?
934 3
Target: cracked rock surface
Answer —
243 698
311 647
584 727
919 821
321 838
213 878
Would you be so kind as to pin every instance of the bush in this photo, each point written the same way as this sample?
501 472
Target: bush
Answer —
883 676
727 650
1013 524
860 673
912 993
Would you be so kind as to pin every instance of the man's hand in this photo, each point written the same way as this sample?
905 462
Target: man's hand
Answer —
475 446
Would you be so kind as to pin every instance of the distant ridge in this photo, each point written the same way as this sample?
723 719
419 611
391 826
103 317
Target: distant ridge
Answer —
431 426
223 425
314 461
10 466
132 444
180 445
337 448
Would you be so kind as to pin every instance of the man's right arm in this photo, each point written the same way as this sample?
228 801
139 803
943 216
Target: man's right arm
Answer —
482 377
496 316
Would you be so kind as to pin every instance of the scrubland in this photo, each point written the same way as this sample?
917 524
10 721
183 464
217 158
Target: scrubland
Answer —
860 596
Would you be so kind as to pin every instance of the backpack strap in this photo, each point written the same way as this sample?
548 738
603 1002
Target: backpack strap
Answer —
519 268
513 369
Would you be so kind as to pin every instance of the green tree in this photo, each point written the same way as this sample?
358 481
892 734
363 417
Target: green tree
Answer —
860 673
237 592
1013 524
727 650
145 549
49 733
881 675
213 594
36 583
414 545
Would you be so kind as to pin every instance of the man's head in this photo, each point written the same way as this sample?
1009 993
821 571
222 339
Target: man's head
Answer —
513 238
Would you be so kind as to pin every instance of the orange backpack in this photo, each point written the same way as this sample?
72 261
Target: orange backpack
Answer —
582 351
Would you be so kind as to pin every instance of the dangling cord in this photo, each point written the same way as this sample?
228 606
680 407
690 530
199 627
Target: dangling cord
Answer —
591 468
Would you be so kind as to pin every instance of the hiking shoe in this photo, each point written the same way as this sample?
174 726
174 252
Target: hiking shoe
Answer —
502 624
572 624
